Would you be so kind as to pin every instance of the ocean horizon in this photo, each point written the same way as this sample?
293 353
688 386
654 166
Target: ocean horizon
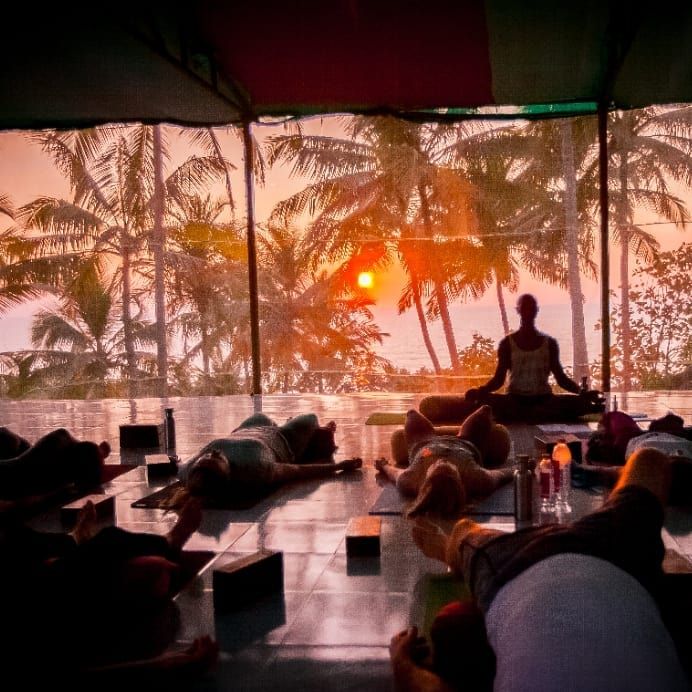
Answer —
404 346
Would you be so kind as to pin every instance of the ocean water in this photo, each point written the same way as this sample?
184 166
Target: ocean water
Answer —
405 347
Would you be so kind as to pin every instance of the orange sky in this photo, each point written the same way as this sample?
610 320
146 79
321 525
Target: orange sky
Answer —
25 172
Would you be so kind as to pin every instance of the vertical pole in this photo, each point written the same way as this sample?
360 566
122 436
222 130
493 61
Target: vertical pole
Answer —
252 259
605 261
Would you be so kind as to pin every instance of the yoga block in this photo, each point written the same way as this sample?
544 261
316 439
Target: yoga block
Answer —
238 583
104 505
160 465
363 536
546 442
138 436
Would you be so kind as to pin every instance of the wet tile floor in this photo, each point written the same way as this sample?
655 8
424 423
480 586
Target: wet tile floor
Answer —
331 627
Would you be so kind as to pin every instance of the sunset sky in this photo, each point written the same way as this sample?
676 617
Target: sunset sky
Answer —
25 172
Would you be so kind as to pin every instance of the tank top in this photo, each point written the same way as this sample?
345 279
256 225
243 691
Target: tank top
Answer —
530 370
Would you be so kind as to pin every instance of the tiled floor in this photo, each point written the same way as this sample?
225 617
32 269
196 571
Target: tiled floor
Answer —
331 627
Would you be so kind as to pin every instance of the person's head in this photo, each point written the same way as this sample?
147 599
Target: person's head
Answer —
442 492
461 653
209 475
527 307
492 439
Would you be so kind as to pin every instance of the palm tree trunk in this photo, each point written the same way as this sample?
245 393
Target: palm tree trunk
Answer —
128 336
580 357
425 331
501 304
159 237
418 303
623 225
439 288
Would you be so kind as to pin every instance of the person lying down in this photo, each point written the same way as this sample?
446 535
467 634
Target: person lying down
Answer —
445 472
260 455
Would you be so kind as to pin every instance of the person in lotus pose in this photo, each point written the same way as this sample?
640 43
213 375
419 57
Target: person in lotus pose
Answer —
529 357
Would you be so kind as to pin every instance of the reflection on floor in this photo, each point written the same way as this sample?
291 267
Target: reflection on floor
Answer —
331 627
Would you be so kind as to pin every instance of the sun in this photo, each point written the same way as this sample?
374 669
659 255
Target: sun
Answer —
365 280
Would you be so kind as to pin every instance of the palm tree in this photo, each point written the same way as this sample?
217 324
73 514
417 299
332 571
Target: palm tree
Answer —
554 155
312 326
119 196
649 148
382 183
79 347
207 283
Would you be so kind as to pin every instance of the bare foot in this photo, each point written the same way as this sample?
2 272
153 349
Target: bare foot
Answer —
189 519
350 464
381 463
430 538
85 527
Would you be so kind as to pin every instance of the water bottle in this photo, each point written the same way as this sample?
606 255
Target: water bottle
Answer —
546 481
562 462
169 427
523 491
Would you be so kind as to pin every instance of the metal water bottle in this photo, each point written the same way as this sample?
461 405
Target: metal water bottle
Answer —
169 422
523 491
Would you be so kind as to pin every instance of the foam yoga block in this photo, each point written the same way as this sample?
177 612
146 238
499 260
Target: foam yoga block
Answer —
138 436
243 581
363 536
159 465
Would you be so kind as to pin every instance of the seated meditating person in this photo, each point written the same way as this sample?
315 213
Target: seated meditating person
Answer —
529 356
259 455
447 471
56 460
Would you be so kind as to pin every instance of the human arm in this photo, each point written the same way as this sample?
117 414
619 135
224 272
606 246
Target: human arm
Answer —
194 660
556 368
406 651
504 364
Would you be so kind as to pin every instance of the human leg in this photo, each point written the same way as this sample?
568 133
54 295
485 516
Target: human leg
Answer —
446 408
417 427
390 472
256 420
298 431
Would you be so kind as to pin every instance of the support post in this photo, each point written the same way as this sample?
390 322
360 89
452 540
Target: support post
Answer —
605 258
252 259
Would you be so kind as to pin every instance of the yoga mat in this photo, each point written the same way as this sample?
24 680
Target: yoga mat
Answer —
159 499
389 502
501 502
386 418
434 592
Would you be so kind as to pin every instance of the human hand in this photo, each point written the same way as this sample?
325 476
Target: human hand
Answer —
473 394
408 646
380 463
202 653
350 464
593 396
